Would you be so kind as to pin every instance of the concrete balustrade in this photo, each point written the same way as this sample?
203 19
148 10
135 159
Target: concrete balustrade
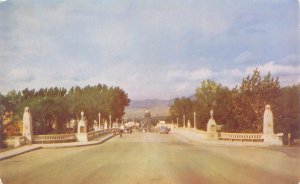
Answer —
98 133
268 136
61 138
54 138
253 137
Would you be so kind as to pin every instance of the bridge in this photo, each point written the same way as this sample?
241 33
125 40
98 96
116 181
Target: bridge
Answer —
186 155
155 158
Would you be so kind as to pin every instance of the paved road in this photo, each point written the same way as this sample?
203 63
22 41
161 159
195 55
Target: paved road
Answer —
154 158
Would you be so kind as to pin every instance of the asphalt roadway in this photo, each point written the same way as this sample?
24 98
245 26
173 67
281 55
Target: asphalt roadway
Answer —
154 158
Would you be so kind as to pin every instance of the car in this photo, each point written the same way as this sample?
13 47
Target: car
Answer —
164 130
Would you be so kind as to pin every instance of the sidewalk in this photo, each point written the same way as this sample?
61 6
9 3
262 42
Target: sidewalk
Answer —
27 148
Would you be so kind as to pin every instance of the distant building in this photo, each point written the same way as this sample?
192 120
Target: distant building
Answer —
146 122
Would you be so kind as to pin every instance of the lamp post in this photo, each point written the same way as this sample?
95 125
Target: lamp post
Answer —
109 121
99 115
195 120
183 121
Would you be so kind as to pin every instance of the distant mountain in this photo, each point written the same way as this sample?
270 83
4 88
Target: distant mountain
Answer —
149 103
157 108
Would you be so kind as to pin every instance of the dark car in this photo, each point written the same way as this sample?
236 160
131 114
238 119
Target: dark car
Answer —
164 130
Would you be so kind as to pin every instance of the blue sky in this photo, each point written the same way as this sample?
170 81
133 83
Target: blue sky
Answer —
151 49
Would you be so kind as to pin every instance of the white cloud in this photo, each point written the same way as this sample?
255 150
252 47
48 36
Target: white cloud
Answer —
292 59
275 69
231 73
20 74
202 73
186 80
133 45
229 77
288 74
245 57
199 74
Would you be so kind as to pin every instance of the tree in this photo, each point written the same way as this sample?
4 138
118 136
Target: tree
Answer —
3 104
223 111
212 95
5 110
94 99
250 99
52 108
206 93
289 106
202 114
181 106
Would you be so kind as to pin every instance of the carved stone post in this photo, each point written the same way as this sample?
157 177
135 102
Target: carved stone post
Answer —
268 121
27 125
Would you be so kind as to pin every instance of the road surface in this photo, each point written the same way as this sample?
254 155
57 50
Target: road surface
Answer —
154 158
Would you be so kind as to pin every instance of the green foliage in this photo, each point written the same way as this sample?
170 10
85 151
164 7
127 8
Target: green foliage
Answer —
3 111
207 93
211 95
181 106
223 112
241 109
289 106
56 106
251 98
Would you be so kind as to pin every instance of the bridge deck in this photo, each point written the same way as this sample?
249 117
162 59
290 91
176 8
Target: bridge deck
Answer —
154 158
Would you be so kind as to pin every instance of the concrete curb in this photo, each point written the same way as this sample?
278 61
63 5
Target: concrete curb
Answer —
76 144
14 153
29 148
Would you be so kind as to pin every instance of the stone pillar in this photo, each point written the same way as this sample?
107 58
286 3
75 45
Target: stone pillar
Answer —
105 125
95 126
268 128
109 121
81 127
211 125
27 125
212 128
99 125
268 121
81 135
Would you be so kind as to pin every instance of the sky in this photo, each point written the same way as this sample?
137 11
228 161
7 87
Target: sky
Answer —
151 49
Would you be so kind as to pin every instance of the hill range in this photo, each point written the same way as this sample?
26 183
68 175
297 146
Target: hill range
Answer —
157 108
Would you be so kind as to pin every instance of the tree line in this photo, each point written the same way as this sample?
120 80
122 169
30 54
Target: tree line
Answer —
58 106
241 109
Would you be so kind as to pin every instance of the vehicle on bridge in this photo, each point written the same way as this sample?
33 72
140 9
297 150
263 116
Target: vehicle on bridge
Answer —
164 130
162 127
